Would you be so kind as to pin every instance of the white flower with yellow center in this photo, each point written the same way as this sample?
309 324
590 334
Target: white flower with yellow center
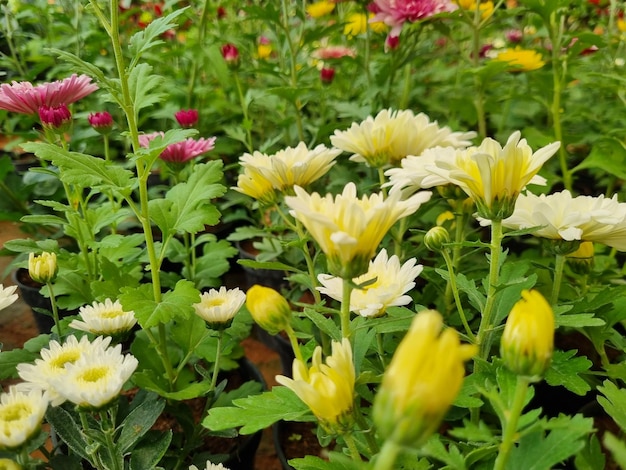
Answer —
561 216
392 135
415 171
7 296
53 364
219 307
21 413
106 318
327 389
391 282
349 229
492 175
210 466
94 380
264 175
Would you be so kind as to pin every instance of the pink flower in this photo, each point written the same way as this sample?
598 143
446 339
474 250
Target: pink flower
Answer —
55 117
392 43
395 13
230 53
327 74
187 117
333 52
101 121
180 152
23 97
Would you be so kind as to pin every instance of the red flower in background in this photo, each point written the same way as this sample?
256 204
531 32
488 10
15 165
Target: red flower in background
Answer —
187 117
180 152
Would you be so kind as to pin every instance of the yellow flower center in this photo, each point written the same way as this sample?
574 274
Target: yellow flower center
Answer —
95 374
215 302
15 412
64 358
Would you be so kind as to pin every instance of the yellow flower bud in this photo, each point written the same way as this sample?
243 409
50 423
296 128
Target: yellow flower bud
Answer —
42 268
421 382
581 260
436 238
8 464
528 337
268 308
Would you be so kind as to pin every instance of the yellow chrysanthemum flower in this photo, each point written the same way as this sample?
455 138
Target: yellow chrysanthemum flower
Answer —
421 382
42 268
485 8
319 9
521 60
493 176
349 229
268 308
264 51
327 389
356 24
528 337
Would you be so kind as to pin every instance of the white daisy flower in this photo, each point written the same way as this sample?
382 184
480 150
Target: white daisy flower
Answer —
392 135
53 364
7 296
392 282
21 413
210 466
106 318
94 380
415 173
564 217
349 229
220 307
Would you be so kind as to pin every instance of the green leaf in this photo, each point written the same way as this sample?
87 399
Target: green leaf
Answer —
579 320
143 85
258 412
614 402
450 456
139 421
467 286
10 359
147 38
67 429
608 154
325 324
591 457
150 450
617 448
565 369
189 332
541 451
149 313
336 461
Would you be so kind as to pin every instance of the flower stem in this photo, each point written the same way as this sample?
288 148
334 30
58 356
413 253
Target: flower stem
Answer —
388 454
559 264
484 337
354 451
512 418
55 310
216 367
345 308
293 340
244 110
455 293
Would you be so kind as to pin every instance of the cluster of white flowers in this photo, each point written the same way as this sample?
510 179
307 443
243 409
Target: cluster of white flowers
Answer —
89 374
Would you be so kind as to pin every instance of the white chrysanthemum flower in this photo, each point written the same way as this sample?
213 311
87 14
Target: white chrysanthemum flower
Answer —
106 318
392 135
392 282
349 229
7 296
96 379
53 364
220 307
563 217
264 175
21 413
492 175
415 173
210 466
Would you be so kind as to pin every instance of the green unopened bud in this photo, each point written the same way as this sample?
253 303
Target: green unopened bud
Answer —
42 268
563 247
436 238
581 260
268 308
528 337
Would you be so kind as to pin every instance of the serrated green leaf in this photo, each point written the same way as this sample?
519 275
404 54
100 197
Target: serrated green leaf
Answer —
591 457
150 450
258 412
139 421
614 402
10 359
450 456
325 324
617 448
336 461
147 38
608 154
68 429
565 369
579 320
142 86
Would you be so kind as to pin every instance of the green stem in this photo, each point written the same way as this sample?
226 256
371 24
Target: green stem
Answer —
110 442
460 220
201 35
559 264
387 457
244 109
218 354
455 293
512 418
484 337
345 308
55 310
381 350
354 451
293 340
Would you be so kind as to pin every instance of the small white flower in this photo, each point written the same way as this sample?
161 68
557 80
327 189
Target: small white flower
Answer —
563 217
392 283
96 379
415 171
7 296
220 306
21 414
392 135
210 466
53 364
107 318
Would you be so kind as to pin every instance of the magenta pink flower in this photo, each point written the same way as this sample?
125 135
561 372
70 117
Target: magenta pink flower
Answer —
187 117
395 13
333 52
230 53
327 74
23 97
180 152
101 121
55 117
